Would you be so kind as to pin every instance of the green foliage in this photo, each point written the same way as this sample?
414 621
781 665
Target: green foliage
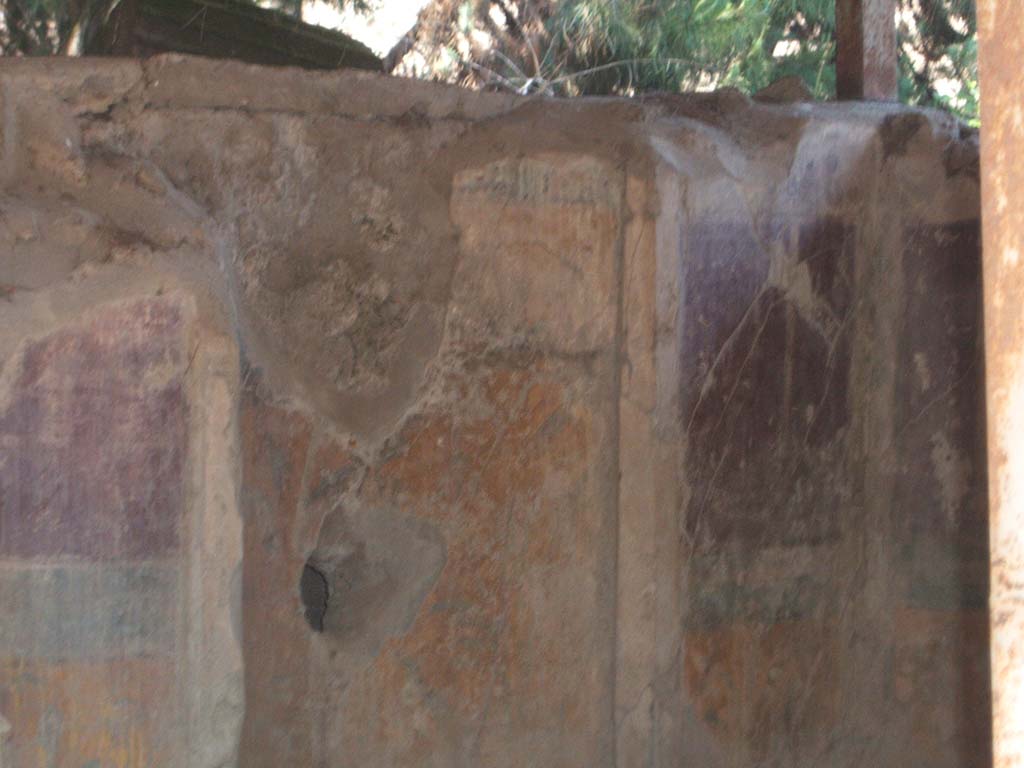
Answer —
33 27
634 46
46 27
938 57
644 45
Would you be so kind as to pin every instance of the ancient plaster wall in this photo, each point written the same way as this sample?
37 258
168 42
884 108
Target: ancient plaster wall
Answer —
623 433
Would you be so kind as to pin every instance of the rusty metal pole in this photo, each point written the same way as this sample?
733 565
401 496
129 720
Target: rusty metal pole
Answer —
1001 40
866 50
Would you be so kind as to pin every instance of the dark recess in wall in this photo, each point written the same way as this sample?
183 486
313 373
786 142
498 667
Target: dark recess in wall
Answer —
315 593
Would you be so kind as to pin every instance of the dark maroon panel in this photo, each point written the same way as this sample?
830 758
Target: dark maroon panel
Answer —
939 429
725 269
940 504
93 436
770 400
826 247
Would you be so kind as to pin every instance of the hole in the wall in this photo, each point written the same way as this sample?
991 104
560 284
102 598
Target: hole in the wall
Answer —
314 592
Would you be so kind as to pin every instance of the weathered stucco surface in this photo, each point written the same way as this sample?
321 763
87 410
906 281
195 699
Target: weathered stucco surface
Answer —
622 433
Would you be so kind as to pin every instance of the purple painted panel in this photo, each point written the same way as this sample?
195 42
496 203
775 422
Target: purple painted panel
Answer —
92 438
768 401
939 441
726 268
